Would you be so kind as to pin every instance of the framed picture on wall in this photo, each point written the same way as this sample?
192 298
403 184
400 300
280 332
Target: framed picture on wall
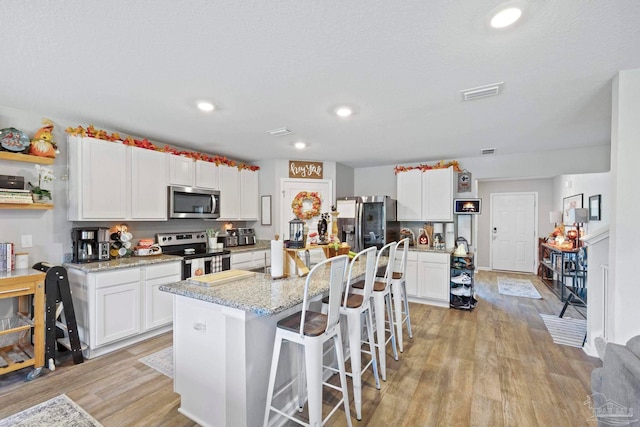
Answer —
568 203
594 208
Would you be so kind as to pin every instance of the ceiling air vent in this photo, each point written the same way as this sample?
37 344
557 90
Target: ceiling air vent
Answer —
279 132
482 91
488 151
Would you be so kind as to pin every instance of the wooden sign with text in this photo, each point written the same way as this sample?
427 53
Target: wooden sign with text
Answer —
306 170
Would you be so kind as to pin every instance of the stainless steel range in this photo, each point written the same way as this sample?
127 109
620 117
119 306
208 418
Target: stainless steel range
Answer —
197 259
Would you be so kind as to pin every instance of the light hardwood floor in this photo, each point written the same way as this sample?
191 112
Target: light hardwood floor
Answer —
493 366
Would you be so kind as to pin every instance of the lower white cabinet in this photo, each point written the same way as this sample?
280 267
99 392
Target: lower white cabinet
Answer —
250 259
118 307
428 277
117 300
158 305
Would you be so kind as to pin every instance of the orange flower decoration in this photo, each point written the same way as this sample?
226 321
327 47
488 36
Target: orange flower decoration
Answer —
298 204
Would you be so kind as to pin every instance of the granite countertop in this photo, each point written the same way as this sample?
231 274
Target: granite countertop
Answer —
430 249
260 294
259 246
115 264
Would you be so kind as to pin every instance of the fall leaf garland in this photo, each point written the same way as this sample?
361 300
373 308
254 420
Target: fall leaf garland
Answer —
424 167
92 132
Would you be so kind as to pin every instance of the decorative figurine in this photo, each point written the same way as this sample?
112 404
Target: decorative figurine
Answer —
323 227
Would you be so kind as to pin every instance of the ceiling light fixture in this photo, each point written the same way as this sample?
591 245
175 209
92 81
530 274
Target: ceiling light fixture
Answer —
206 106
300 145
343 111
506 17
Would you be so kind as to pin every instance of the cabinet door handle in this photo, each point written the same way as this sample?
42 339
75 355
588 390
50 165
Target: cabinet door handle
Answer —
200 326
14 290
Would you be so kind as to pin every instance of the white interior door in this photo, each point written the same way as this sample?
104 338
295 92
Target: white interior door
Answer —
290 189
513 231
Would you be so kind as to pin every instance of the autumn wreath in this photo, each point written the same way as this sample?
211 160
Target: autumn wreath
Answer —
298 204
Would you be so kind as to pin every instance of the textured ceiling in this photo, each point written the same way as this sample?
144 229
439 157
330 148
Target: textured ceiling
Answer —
138 67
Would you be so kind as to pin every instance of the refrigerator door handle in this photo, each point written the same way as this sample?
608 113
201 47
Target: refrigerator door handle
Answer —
359 238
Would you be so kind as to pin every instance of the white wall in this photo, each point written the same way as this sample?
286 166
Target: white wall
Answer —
589 184
274 171
544 189
50 230
624 296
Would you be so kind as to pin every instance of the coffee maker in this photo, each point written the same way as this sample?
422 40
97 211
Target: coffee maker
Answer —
90 244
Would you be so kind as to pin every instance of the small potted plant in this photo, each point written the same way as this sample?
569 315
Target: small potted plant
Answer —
41 195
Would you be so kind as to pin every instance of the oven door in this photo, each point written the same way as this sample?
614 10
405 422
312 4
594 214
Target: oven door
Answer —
210 264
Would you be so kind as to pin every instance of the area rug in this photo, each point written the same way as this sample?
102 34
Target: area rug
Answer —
161 361
517 288
565 330
57 412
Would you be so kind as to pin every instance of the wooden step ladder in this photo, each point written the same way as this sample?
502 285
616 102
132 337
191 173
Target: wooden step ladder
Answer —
59 313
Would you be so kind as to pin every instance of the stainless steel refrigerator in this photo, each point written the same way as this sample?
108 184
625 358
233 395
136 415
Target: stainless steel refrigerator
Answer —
367 221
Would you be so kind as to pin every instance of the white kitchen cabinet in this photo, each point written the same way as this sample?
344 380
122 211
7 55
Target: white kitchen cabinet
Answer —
428 281
117 312
437 195
248 195
148 184
425 196
112 181
411 279
229 192
181 170
248 260
409 195
158 305
207 175
116 308
98 177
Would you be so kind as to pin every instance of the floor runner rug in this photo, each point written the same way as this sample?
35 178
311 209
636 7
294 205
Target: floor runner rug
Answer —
161 361
517 287
565 330
57 412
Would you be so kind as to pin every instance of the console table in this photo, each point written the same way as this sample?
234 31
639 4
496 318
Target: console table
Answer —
564 273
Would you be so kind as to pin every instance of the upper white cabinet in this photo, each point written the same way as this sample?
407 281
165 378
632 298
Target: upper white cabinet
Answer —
229 192
186 172
249 208
207 175
148 184
238 194
437 195
112 181
425 196
98 178
409 194
181 170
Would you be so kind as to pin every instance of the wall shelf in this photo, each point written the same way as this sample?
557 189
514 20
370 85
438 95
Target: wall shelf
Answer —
18 157
32 206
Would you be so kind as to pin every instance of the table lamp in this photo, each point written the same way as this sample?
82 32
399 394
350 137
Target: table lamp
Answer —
578 216
555 217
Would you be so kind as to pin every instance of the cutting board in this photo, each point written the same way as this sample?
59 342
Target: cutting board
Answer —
220 277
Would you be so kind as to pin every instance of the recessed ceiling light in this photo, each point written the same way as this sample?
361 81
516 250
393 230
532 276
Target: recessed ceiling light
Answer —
506 17
206 106
300 145
343 111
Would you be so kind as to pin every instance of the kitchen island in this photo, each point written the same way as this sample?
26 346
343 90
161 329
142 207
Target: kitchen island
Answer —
223 342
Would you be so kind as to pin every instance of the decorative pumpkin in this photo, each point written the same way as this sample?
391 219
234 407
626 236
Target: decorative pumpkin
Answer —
42 143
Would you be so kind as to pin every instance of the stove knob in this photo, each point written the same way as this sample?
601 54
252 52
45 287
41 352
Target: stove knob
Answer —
169 238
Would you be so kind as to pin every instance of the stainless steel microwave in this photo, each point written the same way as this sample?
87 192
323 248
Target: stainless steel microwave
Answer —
191 202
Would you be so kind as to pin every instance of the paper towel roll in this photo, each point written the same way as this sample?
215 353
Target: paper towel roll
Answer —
277 258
